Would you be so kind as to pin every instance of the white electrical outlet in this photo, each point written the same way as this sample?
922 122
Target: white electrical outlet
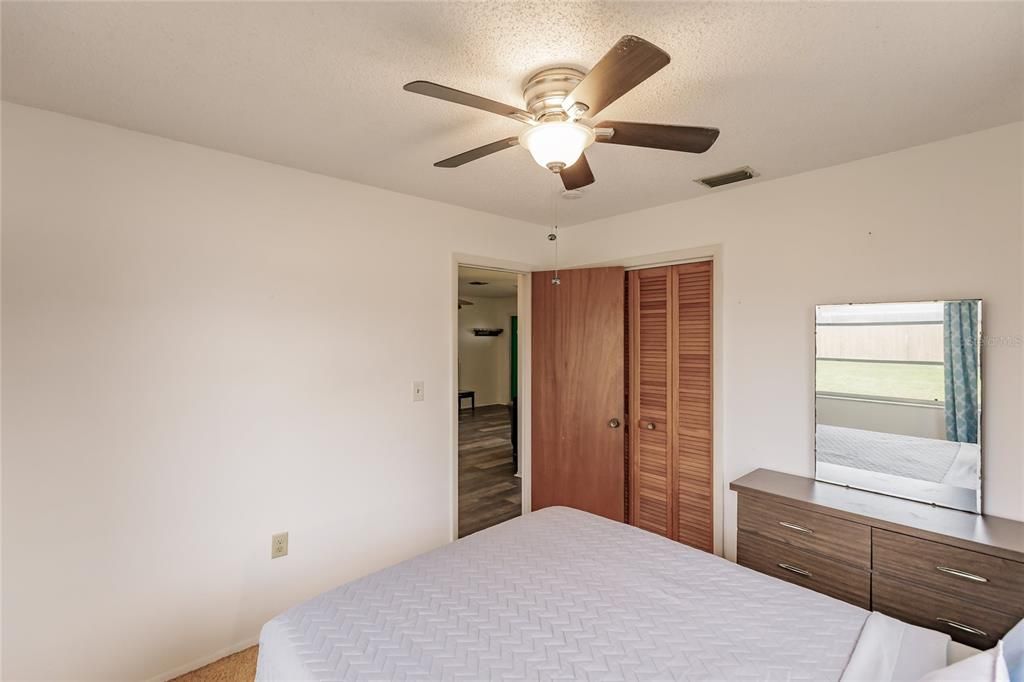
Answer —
417 391
278 545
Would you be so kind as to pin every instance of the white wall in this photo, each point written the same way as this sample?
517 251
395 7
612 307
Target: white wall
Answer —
484 360
908 419
200 350
197 347
940 221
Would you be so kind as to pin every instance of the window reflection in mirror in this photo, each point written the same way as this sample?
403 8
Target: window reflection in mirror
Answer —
898 399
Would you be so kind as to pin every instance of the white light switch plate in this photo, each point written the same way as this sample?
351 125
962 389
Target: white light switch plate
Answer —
417 391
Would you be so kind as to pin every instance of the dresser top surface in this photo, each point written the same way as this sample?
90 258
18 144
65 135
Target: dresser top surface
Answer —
991 534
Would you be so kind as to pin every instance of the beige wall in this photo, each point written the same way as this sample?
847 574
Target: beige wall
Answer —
484 360
940 221
200 350
922 421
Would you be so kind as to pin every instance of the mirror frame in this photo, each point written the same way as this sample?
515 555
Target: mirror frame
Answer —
932 493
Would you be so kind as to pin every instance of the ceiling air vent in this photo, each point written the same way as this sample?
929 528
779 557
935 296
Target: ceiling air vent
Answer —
737 175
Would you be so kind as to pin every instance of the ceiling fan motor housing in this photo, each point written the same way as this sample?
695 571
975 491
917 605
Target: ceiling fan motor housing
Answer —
545 90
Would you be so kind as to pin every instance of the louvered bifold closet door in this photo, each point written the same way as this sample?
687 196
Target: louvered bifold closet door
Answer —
651 303
692 284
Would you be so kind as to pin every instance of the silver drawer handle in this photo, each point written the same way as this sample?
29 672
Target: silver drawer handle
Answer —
961 626
794 569
961 574
793 526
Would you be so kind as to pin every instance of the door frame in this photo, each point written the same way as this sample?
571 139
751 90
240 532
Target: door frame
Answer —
525 392
713 253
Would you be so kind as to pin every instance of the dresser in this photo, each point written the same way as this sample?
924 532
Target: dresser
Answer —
960 573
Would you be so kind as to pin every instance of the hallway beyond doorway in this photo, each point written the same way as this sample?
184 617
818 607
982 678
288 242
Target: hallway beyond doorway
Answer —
489 490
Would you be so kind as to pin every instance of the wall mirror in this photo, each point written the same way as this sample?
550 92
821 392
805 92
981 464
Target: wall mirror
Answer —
898 399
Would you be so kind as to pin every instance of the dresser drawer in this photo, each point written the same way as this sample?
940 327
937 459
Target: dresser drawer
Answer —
805 569
964 621
834 537
981 579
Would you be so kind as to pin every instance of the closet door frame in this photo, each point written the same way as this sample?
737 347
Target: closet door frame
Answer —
711 253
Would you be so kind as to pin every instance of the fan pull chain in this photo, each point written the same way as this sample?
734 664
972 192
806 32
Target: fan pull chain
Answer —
556 280
553 237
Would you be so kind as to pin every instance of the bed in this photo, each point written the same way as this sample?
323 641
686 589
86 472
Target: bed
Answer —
923 459
560 594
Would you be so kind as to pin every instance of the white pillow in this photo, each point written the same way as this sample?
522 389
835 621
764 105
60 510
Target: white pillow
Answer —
1013 652
988 666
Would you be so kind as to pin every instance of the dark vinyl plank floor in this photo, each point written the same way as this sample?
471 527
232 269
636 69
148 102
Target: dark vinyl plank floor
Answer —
489 491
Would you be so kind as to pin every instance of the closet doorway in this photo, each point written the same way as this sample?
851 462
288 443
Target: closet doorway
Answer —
489 475
623 418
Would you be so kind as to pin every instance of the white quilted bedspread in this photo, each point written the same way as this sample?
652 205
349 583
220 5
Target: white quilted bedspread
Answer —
926 459
562 595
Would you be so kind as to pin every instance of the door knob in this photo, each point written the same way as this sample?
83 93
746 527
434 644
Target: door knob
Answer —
613 423
651 426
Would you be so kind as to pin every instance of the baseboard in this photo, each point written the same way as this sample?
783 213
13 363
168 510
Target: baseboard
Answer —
205 660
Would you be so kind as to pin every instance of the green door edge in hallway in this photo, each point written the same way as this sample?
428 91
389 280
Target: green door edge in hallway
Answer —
514 359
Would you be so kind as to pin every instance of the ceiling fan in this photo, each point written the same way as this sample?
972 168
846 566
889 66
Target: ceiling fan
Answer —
561 103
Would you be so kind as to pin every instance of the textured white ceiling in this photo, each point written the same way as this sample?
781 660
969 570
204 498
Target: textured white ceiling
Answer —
318 86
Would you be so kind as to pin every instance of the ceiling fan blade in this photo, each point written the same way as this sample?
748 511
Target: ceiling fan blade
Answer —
478 153
674 138
459 97
630 62
578 175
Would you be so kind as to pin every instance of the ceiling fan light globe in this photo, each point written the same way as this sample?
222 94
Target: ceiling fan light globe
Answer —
558 144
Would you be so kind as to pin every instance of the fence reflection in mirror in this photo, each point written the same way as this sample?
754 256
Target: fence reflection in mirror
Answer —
898 399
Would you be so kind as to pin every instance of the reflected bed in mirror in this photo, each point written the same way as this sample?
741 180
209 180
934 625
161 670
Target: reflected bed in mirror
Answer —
898 399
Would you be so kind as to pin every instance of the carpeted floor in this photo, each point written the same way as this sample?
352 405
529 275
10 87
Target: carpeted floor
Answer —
240 667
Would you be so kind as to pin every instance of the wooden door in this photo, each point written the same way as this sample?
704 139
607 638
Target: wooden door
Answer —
651 502
692 284
578 390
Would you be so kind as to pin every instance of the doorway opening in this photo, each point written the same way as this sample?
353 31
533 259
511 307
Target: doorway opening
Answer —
490 487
